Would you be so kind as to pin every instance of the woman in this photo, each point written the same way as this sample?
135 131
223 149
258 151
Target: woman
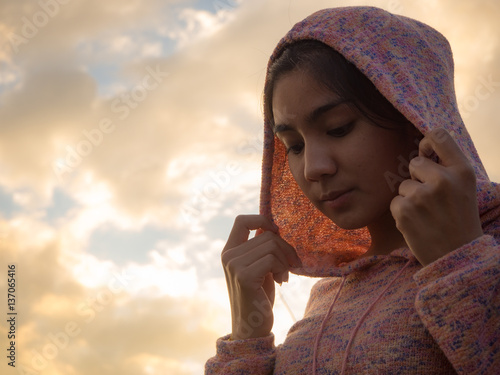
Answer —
371 181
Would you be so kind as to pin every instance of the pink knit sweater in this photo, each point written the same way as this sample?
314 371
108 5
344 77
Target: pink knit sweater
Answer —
441 319
381 314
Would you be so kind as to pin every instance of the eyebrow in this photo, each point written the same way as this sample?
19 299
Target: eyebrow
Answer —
313 116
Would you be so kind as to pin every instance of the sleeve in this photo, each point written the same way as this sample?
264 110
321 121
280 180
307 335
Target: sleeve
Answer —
250 356
459 303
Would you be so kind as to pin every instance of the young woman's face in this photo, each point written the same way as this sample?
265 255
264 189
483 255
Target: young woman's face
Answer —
347 166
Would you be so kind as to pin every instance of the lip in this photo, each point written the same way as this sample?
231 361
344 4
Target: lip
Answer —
333 195
336 199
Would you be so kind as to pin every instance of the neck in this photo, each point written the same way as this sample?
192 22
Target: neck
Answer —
385 236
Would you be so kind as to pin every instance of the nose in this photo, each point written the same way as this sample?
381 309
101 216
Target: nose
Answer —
319 161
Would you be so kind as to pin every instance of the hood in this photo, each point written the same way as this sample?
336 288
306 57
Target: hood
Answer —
411 64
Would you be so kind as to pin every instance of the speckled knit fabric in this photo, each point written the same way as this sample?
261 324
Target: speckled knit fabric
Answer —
440 319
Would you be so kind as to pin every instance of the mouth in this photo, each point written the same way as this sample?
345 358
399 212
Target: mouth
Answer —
333 195
337 200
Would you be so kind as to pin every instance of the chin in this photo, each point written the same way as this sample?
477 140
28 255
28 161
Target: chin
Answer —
347 223
349 226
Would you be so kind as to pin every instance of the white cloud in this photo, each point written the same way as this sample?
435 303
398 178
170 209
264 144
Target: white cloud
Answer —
198 25
152 50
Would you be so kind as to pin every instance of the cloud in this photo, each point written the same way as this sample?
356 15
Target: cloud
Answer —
205 101
66 327
165 114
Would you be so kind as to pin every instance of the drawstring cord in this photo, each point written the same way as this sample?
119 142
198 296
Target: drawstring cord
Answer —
349 344
344 362
318 336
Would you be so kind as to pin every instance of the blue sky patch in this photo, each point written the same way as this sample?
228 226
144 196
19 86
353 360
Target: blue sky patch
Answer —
61 204
121 246
7 204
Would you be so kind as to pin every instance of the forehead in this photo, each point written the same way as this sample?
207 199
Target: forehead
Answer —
299 98
297 93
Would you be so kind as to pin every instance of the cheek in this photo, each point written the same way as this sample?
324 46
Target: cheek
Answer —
394 168
297 171
383 170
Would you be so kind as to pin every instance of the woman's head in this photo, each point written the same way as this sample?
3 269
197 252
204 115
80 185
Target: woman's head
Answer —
334 151
386 62
340 133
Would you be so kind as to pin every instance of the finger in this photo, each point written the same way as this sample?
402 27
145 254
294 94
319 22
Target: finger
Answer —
260 246
242 226
253 276
284 247
395 207
259 231
409 187
253 254
424 170
445 147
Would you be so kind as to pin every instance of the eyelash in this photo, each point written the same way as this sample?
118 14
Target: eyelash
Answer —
294 149
339 132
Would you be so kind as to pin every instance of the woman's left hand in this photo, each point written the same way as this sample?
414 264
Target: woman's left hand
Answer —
436 210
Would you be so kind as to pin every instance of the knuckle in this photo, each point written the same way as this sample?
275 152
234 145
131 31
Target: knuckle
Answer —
399 212
394 206
229 265
442 183
404 184
420 198
239 219
416 162
421 203
269 259
225 257
273 242
467 173
274 263
267 236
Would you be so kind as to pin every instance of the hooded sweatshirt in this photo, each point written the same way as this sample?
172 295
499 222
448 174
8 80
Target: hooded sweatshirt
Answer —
386 313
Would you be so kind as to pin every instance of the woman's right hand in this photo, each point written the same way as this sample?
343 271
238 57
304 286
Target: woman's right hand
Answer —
251 267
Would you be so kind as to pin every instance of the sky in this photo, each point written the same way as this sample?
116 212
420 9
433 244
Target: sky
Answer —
130 138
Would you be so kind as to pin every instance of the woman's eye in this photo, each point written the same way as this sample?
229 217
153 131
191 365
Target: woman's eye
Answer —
341 131
295 149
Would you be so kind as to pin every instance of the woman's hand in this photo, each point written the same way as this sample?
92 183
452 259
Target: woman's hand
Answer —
250 267
436 210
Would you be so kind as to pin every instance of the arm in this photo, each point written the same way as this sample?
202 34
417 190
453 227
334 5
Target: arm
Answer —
249 356
459 303
251 267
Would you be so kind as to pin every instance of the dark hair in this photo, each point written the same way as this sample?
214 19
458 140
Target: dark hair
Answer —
340 76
